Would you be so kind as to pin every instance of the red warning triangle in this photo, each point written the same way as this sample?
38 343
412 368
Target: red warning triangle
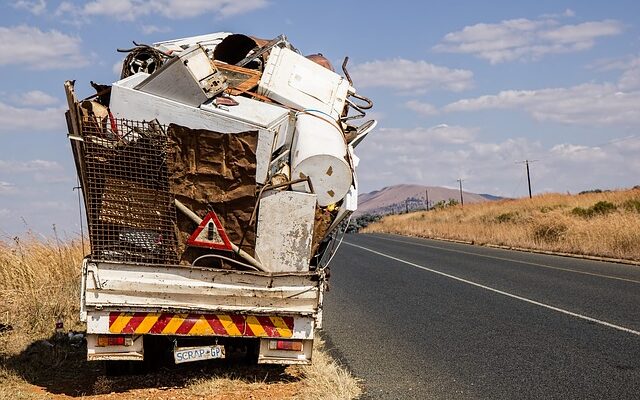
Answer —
210 234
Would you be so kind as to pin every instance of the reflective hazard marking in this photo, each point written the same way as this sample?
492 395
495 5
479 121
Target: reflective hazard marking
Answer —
210 234
201 324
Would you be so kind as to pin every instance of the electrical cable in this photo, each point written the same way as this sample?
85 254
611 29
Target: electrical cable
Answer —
333 252
223 258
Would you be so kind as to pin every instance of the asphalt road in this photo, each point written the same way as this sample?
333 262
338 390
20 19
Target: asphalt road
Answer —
424 319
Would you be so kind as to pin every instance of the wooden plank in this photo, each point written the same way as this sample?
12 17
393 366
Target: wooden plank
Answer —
239 79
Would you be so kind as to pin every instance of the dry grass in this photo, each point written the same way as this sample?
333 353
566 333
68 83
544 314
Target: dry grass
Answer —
323 380
39 284
580 224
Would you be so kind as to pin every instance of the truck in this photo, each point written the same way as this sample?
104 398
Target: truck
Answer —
217 177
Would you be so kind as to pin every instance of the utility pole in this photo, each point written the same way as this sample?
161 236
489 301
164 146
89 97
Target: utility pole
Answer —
461 198
406 205
426 198
526 162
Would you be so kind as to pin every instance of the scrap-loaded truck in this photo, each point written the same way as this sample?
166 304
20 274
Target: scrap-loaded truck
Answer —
217 176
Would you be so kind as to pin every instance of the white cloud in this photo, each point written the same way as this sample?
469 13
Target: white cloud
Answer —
36 98
24 120
524 39
37 7
578 152
421 107
438 156
410 76
117 68
7 188
14 167
630 67
51 205
566 13
585 104
423 138
151 29
425 156
29 46
599 104
4 212
120 9
585 32
130 10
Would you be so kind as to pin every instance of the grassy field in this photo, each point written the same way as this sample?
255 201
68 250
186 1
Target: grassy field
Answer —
605 224
39 286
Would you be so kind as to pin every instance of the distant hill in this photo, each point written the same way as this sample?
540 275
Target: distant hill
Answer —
398 198
492 197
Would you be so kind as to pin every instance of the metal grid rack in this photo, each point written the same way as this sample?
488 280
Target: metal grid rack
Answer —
130 209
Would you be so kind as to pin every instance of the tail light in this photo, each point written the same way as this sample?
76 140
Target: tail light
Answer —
291 345
114 340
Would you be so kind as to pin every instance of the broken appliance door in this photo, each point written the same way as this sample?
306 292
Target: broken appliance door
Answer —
189 78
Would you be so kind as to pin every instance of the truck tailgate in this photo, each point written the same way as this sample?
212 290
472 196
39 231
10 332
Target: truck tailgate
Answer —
122 286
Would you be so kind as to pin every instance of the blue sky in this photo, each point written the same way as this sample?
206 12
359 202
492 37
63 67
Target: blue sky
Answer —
462 89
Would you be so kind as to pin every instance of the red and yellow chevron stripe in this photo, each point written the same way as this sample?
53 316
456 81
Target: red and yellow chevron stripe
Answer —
200 324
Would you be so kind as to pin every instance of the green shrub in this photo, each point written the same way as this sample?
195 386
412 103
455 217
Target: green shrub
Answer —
549 232
582 212
507 217
591 191
546 209
362 221
632 205
603 207
600 208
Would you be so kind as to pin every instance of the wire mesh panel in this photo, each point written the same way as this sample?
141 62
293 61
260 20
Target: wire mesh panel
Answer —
130 210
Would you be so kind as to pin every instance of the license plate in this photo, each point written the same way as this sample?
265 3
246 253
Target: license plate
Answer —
188 354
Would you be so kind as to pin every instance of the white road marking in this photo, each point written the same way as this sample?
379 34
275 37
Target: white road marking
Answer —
513 296
512 260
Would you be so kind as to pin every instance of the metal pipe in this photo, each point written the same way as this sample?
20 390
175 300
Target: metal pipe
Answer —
195 218
346 73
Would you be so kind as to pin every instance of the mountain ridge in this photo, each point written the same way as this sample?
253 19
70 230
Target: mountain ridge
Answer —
402 197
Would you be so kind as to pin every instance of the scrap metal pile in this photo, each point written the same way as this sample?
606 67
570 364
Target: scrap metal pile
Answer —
219 150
